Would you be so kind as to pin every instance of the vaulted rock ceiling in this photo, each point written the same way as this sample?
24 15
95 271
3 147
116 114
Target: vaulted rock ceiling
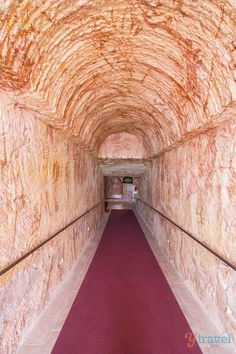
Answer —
163 70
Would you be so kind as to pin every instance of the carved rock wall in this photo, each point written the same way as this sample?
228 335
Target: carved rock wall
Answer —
122 146
45 182
114 186
195 186
159 69
162 70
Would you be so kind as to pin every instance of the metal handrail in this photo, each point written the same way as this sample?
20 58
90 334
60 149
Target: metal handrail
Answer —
12 265
228 263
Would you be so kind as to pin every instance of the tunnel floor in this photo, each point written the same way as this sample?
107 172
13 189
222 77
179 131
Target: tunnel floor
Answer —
124 305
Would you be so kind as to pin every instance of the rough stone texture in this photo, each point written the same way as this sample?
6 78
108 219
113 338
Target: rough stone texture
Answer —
114 186
122 146
45 183
162 70
194 185
124 167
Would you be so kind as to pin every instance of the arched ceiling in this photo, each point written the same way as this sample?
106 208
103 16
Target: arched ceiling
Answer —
158 68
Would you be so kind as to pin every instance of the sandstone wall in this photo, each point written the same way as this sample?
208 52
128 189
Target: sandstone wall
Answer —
195 186
122 145
45 183
114 186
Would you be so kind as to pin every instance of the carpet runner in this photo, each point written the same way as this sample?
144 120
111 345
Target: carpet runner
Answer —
124 305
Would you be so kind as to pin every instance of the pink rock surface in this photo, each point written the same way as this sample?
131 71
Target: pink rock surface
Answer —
159 69
155 77
114 187
122 146
194 185
46 182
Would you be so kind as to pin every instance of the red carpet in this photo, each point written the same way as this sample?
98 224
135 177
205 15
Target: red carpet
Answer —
125 305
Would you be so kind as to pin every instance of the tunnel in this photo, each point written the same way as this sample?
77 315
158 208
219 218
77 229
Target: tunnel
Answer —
117 134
